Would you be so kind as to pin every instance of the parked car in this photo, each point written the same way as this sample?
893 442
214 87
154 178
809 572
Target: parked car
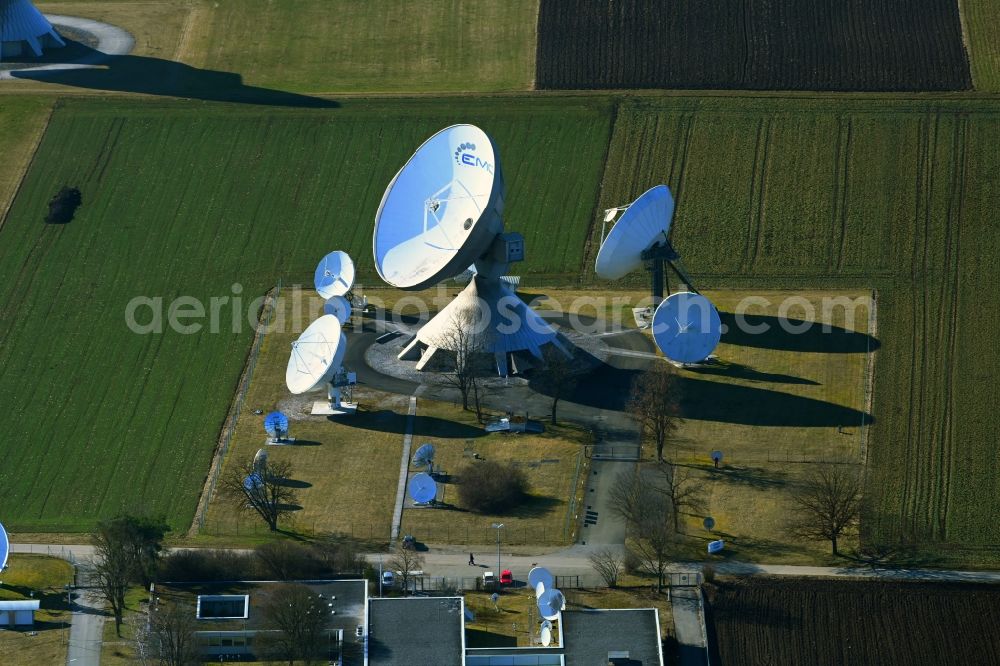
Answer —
506 577
489 579
409 543
388 579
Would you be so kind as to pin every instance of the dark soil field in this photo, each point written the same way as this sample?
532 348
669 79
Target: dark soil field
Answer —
768 621
875 45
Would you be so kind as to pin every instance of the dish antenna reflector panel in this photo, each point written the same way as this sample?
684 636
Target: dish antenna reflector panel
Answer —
276 425
441 215
339 307
645 223
540 575
686 327
423 489
4 548
709 523
441 212
334 275
716 546
253 482
316 356
550 604
260 461
424 457
546 635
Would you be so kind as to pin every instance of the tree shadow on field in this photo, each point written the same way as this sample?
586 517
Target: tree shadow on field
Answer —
155 76
293 483
609 387
783 333
739 371
751 477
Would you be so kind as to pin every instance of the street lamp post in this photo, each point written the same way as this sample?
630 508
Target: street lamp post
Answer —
498 527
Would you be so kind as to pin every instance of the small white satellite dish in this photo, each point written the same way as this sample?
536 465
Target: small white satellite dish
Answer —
547 623
709 523
551 604
716 546
687 327
424 457
645 222
316 356
546 635
423 489
260 461
540 575
334 275
339 307
441 211
4 547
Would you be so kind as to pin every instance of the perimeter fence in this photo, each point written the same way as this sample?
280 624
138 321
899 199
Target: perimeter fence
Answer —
263 325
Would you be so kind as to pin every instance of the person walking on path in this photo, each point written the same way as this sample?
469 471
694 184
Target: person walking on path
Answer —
472 560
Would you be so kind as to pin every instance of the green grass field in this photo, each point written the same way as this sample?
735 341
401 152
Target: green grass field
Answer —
189 200
773 193
22 121
980 19
896 196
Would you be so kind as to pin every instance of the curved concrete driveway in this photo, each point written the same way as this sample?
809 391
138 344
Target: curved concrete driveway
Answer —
111 41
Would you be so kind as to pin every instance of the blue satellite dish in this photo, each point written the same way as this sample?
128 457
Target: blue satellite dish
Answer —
423 489
4 548
276 424
334 275
253 482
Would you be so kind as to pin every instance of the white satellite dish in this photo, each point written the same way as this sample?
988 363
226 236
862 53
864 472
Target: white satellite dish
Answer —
551 604
540 575
423 489
441 211
716 546
686 327
316 356
645 222
4 547
546 635
339 307
424 457
334 275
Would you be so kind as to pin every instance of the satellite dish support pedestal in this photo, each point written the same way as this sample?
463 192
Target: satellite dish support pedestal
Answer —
335 405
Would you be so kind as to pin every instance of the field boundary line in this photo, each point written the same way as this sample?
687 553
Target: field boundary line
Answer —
27 167
404 468
963 28
232 417
869 378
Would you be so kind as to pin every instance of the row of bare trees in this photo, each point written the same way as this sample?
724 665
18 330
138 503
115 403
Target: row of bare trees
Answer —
652 498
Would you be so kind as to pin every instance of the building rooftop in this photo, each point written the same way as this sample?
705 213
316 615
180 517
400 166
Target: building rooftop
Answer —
402 632
591 635
345 598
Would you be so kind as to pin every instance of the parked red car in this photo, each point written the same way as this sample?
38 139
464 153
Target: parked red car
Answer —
506 577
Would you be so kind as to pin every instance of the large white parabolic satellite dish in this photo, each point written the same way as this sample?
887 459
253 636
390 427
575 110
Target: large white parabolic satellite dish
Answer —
334 275
4 548
550 604
316 355
540 575
644 223
686 327
442 210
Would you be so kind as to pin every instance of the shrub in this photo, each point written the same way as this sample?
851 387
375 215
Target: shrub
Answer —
63 205
489 487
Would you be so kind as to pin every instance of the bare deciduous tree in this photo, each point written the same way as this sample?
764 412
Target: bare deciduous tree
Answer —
609 564
647 512
126 550
654 403
466 339
681 487
300 620
406 562
558 378
828 503
261 490
170 639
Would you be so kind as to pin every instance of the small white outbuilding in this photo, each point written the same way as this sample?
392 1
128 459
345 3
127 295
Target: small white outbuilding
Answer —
18 613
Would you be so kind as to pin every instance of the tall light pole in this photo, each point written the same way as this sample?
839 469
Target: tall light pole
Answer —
498 527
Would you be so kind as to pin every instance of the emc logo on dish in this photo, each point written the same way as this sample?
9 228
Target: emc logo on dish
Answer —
463 155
